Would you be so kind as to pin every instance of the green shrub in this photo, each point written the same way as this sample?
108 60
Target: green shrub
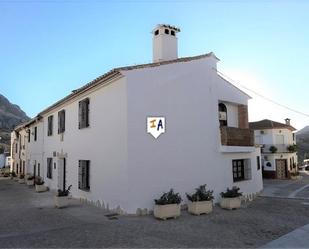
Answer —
201 194
273 149
231 193
169 198
65 192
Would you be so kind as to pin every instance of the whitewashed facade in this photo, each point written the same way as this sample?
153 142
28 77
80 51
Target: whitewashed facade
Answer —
281 161
127 167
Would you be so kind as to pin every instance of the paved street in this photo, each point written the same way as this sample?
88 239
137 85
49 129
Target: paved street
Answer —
28 219
288 188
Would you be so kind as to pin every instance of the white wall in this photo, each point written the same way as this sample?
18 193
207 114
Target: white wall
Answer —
187 155
103 143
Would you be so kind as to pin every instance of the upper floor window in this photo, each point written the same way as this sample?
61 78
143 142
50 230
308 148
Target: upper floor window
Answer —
29 137
222 114
50 121
35 133
83 114
61 121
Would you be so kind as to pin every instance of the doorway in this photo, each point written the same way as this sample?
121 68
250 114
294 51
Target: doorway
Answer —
281 168
62 174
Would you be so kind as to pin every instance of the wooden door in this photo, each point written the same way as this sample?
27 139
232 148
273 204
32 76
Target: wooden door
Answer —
281 169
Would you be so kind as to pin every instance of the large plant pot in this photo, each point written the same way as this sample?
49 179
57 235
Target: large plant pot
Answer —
200 207
40 188
21 181
230 203
30 182
61 201
166 211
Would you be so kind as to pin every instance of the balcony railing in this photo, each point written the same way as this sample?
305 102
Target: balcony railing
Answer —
232 136
281 148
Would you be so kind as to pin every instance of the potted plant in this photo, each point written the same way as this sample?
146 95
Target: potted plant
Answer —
273 149
231 198
292 148
295 176
167 206
30 180
201 201
39 185
21 178
62 198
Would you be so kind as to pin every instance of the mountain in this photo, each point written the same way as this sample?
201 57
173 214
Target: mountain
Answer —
302 140
10 116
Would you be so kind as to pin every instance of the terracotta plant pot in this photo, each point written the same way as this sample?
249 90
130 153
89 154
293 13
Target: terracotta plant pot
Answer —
61 201
200 207
230 203
166 211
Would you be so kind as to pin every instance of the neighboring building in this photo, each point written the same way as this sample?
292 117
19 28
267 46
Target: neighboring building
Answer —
278 146
95 139
8 161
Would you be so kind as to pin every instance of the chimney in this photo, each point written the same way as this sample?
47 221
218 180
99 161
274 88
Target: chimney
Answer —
165 43
287 121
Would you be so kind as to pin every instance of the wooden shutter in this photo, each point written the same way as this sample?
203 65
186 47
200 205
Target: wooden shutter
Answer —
80 174
87 113
247 169
80 104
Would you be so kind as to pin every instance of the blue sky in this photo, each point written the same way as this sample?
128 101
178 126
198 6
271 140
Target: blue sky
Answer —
48 48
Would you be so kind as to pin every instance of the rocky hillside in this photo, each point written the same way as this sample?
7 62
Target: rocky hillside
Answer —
302 140
10 116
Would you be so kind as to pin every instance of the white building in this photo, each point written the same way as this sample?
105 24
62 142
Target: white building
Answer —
96 140
278 145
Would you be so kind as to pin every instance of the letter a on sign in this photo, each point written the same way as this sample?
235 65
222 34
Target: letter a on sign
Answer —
155 126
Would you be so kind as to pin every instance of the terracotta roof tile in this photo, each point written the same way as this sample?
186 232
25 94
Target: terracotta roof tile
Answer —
269 124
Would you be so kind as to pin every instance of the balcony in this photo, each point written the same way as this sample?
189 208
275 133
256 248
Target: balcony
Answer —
232 136
281 148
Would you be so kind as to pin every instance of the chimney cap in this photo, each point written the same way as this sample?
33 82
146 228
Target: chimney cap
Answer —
166 26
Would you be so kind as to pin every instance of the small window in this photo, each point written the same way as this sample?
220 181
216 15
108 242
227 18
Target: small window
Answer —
35 133
28 131
50 121
166 31
83 175
268 164
258 162
172 32
157 32
61 121
241 170
54 165
83 114
49 168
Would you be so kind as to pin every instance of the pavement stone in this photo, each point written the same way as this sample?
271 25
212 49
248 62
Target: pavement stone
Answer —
29 220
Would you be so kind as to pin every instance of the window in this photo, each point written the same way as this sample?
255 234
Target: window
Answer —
222 114
35 133
28 131
293 134
49 168
61 121
166 31
50 121
241 170
83 175
258 162
83 114
157 32
173 32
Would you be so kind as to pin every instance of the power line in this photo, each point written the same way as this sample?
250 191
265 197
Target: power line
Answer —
262 96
